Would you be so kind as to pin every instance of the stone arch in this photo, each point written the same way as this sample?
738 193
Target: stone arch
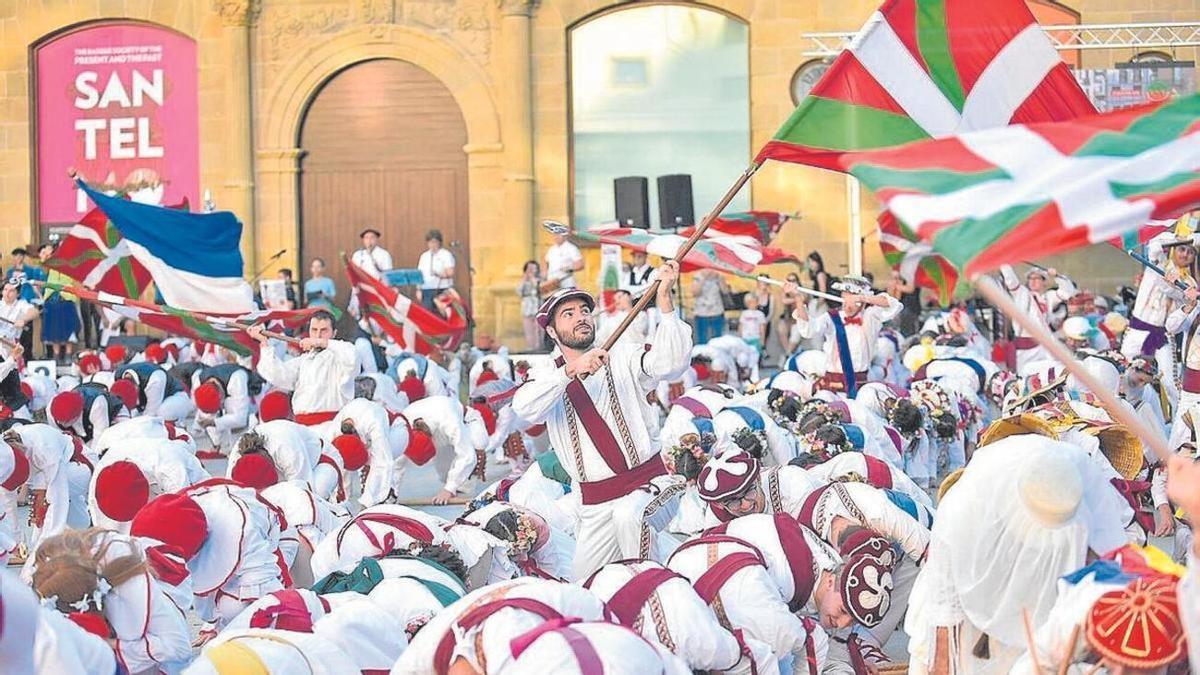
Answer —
284 111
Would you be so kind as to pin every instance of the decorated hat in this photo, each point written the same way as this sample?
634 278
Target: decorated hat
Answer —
90 364
275 405
208 397
154 353
66 407
353 451
1115 322
174 519
121 490
255 470
126 390
1138 626
1020 423
546 311
853 284
19 473
727 476
866 579
1144 364
413 387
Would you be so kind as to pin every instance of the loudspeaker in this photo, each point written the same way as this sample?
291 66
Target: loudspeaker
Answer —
676 208
631 197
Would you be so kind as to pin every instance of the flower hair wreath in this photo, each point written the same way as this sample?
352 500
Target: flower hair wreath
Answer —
525 537
692 444
823 448
743 436
775 410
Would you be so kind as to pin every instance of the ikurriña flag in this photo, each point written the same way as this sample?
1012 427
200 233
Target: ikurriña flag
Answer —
412 326
927 69
999 196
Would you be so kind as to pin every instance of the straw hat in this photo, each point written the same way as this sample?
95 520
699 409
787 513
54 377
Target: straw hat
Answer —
1021 423
947 483
1120 446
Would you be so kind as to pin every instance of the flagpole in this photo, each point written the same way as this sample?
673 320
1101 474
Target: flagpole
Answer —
806 291
269 333
652 291
1108 399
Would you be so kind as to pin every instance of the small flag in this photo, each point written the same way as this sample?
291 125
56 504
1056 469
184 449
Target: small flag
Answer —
413 327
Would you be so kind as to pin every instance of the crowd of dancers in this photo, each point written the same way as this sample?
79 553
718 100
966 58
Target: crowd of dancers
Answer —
883 502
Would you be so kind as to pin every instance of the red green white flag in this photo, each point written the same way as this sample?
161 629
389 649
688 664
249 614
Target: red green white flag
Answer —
915 260
998 196
413 327
928 69
731 254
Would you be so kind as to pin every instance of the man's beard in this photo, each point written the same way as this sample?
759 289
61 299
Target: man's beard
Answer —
578 343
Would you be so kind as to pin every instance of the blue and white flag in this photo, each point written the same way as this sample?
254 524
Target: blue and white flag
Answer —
193 257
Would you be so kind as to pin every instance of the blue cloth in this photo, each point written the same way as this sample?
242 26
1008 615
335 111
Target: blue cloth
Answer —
843 344
323 285
26 273
749 416
856 435
206 244
708 327
1106 571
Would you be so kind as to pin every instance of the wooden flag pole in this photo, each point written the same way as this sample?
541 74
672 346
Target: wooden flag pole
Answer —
269 333
992 292
652 291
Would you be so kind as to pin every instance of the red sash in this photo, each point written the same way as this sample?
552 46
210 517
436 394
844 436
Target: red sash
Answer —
290 613
585 654
795 549
627 603
310 419
1024 343
413 528
1190 381
341 488
693 406
476 616
596 428
878 473
615 487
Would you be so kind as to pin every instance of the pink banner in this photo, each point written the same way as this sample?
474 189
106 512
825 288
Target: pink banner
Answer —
117 102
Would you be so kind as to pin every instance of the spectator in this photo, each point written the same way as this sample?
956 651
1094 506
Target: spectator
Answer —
788 302
910 299
437 268
820 279
319 290
607 322
708 307
21 272
531 298
61 319
289 285
372 258
752 324
563 260
16 316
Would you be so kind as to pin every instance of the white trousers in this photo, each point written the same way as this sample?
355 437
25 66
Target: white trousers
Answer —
627 527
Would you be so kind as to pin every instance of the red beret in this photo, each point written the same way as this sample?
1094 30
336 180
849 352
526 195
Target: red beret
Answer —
275 405
256 471
866 581
420 447
488 415
155 353
173 519
486 376
66 407
92 622
20 472
126 390
26 389
352 450
413 388
701 370
116 354
89 364
121 490
208 397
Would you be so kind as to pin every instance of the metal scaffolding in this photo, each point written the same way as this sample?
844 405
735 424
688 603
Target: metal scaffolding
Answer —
1139 36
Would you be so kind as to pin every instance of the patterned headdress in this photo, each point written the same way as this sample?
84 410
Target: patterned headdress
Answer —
866 580
1138 626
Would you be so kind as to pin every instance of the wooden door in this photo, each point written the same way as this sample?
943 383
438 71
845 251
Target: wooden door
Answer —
384 149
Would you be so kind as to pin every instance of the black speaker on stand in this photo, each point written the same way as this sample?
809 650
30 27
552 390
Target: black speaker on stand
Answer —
631 197
676 207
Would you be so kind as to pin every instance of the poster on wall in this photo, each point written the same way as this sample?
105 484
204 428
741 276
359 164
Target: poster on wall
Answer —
1134 83
118 103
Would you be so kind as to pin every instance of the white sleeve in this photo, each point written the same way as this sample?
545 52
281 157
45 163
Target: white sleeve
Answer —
813 326
885 314
156 389
1065 291
541 393
1178 319
888 520
1011 281
668 353
281 374
464 458
236 414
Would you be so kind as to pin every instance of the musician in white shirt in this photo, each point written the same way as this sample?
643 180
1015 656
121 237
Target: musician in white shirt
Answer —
372 258
437 268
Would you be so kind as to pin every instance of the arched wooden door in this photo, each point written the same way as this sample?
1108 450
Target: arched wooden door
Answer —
383 144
